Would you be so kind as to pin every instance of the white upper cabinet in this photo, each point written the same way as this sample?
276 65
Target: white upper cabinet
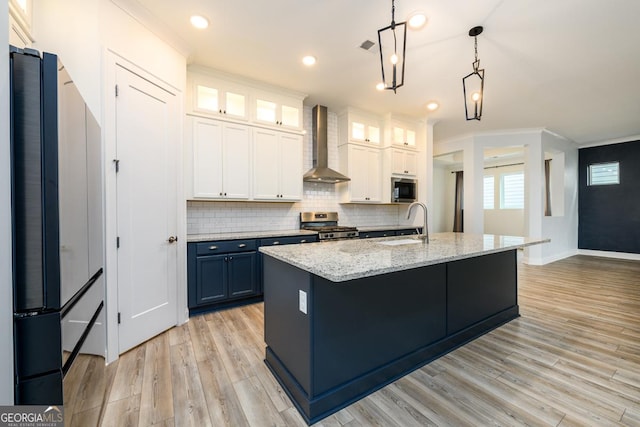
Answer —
216 94
359 127
277 110
216 97
277 162
363 165
404 162
220 159
402 132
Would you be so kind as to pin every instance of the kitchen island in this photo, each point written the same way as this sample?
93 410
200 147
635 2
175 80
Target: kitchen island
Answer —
345 318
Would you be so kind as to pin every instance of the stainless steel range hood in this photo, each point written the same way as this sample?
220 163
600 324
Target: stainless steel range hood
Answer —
320 171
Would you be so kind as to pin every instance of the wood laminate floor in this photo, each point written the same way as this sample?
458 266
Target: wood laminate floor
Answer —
571 359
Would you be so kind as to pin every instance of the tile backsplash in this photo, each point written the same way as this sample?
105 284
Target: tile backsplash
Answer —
204 217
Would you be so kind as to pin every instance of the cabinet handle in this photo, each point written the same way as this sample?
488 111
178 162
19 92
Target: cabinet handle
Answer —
220 111
213 248
303 241
172 239
225 194
221 193
242 245
226 259
406 143
276 243
230 258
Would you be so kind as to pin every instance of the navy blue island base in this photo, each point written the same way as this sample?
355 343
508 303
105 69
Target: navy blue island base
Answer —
360 335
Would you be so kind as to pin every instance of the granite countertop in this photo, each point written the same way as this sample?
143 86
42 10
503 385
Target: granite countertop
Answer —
248 235
344 260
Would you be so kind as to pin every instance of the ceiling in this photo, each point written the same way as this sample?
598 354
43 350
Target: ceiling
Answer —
571 66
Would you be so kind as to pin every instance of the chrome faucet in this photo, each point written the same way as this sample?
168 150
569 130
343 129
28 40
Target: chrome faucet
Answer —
425 231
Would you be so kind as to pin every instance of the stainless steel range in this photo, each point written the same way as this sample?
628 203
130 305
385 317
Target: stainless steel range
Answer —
326 224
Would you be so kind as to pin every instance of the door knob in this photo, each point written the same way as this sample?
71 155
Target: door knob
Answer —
172 239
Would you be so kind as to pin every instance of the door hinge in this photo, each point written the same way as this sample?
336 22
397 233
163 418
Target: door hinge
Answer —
118 318
116 90
118 242
117 163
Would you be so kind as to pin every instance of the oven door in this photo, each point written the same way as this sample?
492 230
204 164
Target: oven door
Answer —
403 190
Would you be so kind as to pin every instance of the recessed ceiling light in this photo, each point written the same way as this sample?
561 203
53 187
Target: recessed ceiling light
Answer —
417 20
309 60
200 22
432 105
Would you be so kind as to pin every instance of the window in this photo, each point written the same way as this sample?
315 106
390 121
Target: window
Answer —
604 174
489 192
512 194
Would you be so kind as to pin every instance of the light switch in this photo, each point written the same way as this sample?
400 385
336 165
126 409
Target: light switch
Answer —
302 301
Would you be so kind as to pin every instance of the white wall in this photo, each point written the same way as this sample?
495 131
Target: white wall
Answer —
81 31
561 229
562 226
442 205
6 294
70 29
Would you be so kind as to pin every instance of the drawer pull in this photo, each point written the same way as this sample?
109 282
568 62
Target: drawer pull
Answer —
303 241
277 242
242 245
213 248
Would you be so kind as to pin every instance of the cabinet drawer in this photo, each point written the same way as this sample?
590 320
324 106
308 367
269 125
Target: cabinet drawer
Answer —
371 234
408 231
225 246
291 240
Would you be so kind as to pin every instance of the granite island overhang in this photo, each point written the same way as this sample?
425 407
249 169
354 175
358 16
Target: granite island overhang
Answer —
345 318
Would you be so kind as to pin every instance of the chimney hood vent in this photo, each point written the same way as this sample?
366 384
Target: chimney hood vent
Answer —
320 171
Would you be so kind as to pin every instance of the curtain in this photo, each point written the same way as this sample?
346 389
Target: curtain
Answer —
547 187
458 220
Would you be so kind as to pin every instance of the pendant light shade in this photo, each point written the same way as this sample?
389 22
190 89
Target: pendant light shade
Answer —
473 83
392 41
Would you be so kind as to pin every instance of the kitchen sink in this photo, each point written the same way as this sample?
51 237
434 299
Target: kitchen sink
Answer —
400 242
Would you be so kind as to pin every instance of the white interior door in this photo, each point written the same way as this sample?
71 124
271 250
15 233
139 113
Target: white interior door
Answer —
146 186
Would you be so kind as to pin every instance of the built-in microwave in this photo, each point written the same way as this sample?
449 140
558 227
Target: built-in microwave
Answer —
404 190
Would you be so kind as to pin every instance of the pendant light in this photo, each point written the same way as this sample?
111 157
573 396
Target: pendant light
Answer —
473 83
392 56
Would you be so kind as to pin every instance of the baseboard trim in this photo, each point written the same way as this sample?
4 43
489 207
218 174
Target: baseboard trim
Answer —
609 254
548 260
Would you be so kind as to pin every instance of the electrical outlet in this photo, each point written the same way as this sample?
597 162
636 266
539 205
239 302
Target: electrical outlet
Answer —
302 301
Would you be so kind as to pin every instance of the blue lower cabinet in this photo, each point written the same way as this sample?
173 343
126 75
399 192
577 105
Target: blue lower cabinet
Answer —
409 231
277 241
211 279
389 233
372 234
241 274
228 272
221 274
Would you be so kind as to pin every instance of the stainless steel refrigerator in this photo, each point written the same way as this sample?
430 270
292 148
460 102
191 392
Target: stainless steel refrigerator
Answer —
57 228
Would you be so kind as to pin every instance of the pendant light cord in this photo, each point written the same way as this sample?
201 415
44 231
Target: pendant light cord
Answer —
476 63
